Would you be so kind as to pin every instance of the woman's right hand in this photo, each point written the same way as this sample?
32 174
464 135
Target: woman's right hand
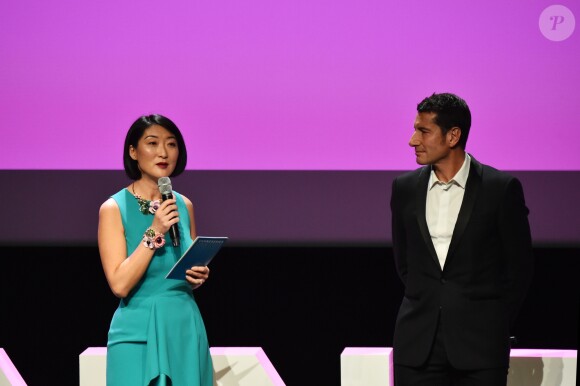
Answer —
165 216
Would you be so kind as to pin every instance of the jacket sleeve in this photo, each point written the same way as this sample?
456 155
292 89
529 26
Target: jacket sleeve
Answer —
398 234
516 241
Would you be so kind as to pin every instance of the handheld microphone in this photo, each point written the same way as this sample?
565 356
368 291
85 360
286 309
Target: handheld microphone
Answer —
165 188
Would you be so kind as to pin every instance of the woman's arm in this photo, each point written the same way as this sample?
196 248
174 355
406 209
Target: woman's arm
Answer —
124 271
189 207
196 276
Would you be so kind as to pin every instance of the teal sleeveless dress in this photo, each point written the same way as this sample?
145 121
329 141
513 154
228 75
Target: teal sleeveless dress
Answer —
157 336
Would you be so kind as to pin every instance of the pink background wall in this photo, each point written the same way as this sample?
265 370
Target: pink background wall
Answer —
283 85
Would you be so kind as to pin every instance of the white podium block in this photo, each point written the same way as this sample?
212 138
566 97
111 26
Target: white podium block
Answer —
93 367
542 368
366 366
233 366
374 367
9 376
243 366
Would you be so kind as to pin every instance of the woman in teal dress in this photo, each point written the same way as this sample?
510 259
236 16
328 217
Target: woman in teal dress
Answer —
157 335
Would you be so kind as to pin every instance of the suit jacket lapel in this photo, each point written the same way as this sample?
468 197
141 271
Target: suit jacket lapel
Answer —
422 182
469 199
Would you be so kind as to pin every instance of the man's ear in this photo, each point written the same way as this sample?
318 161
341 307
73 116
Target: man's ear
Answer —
453 136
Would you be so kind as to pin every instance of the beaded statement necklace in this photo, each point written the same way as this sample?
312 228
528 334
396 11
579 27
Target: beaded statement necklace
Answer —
145 206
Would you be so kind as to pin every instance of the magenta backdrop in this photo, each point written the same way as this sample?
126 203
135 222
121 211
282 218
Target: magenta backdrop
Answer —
275 85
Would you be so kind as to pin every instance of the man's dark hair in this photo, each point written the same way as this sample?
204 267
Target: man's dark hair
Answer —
136 132
451 111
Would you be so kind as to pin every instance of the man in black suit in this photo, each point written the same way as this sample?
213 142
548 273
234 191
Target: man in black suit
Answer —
462 248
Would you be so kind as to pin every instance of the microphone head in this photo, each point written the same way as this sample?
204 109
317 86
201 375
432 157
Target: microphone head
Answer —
164 184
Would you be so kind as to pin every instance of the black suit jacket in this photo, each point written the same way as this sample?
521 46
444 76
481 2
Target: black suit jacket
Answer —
486 274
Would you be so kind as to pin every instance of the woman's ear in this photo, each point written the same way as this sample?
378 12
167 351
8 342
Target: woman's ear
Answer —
132 153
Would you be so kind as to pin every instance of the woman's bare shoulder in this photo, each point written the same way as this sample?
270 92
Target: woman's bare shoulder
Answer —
187 202
110 206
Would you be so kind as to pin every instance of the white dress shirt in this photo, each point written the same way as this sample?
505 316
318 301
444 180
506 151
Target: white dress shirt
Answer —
443 204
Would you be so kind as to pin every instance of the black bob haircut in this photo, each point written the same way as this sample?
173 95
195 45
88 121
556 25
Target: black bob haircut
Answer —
451 111
136 132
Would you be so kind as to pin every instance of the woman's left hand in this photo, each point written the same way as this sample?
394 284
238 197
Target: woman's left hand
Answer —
196 276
